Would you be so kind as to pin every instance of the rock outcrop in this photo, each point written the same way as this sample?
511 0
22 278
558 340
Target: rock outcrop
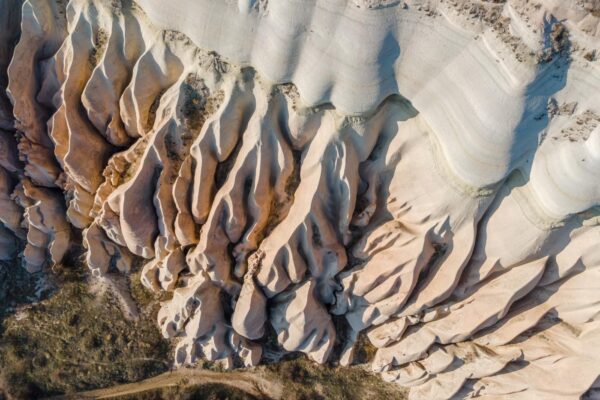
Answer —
425 172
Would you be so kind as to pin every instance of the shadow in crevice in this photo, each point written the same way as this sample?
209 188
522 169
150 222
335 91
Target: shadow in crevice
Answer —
593 392
468 390
388 54
535 298
376 161
551 77
10 18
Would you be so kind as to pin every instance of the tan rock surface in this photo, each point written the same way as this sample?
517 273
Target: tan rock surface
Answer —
427 172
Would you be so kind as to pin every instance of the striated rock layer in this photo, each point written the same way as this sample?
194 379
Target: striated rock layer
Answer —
425 174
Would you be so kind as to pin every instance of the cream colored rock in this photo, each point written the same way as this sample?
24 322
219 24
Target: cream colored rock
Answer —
103 254
302 324
49 233
425 173
250 313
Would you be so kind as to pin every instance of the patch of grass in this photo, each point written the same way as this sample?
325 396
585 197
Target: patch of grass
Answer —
152 111
365 351
211 391
304 380
16 287
100 43
143 297
75 341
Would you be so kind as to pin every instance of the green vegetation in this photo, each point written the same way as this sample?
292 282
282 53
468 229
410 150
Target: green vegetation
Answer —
100 43
306 380
16 287
211 391
75 340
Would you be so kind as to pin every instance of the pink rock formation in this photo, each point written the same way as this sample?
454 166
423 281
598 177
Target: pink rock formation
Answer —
422 173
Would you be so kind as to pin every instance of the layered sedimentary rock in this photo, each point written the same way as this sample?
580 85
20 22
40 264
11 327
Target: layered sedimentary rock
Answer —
425 174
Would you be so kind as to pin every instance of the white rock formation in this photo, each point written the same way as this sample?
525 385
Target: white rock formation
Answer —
424 173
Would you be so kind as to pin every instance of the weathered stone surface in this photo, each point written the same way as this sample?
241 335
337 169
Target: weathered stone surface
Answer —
427 171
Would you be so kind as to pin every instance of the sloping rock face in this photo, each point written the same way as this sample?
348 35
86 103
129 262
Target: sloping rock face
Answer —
426 171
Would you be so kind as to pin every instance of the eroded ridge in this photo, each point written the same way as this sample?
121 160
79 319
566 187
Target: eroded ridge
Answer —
450 216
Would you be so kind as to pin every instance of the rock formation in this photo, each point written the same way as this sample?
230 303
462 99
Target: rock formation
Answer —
425 174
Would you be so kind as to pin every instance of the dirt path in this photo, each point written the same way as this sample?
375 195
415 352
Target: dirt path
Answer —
250 382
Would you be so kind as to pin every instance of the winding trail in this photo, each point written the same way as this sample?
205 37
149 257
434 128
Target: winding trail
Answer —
250 382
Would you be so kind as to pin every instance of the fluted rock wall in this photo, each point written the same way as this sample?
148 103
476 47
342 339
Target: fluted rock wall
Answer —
426 171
